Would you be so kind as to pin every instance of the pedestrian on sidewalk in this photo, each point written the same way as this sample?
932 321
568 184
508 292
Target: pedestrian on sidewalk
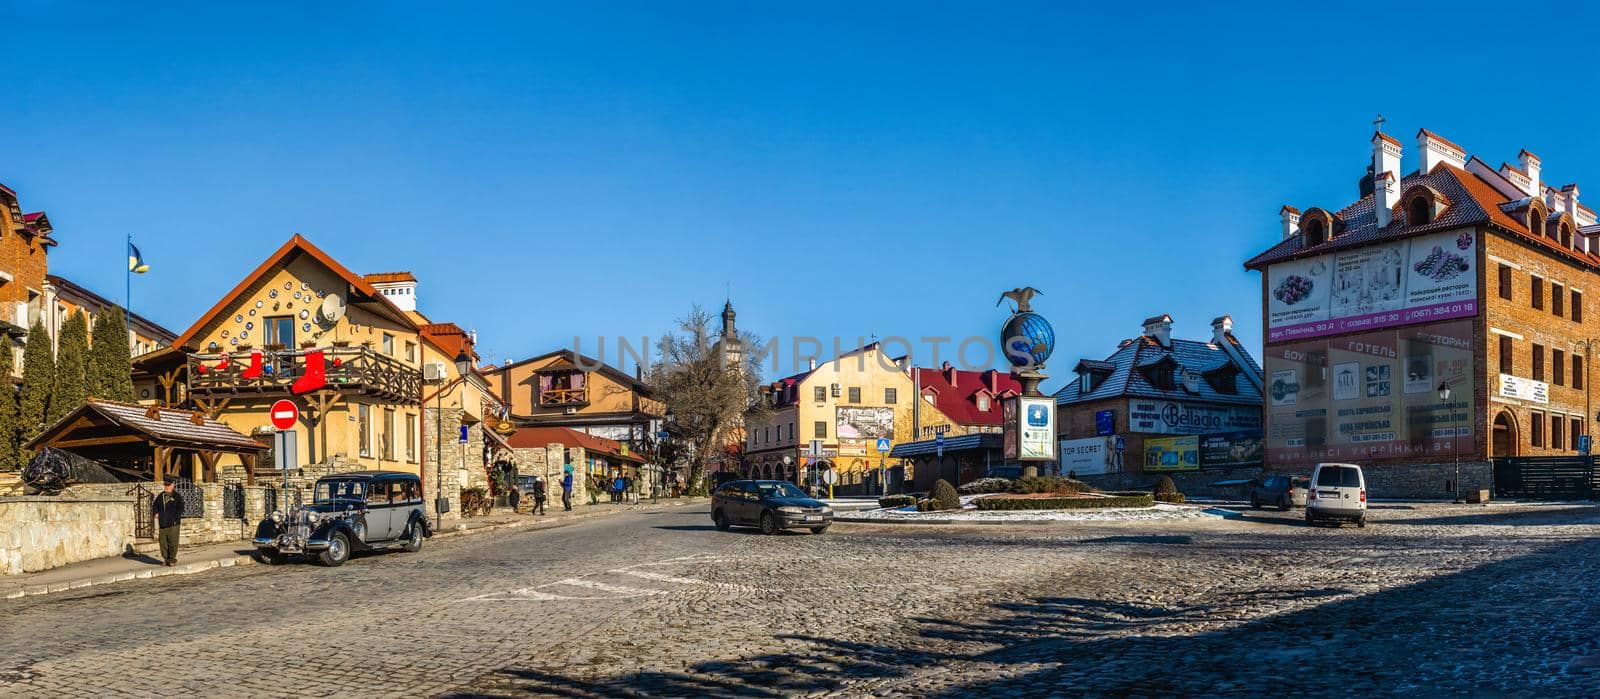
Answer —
616 489
167 512
566 491
538 495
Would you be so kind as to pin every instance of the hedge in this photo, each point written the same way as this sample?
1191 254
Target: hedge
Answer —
1049 484
985 485
897 500
1000 502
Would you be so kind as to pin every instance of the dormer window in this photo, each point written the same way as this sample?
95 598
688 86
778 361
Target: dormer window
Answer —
1419 212
1536 217
983 403
1565 234
1316 233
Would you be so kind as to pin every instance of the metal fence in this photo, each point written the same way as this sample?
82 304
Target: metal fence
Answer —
1546 477
194 498
144 527
233 501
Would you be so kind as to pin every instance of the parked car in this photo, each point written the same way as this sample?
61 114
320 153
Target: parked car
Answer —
771 505
349 512
1282 492
1338 493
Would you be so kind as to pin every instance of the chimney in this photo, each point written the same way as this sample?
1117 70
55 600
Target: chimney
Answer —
949 371
1159 329
1221 327
1435 149
1530 164
1386 176
811 364
1569 194
1290 217
991 380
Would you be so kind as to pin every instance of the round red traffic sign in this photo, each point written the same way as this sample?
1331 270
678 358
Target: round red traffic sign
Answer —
284 414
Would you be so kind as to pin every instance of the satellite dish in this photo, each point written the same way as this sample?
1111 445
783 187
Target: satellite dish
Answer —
332 308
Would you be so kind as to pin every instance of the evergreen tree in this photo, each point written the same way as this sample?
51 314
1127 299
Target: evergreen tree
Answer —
38 379
111 363
11 459
72 368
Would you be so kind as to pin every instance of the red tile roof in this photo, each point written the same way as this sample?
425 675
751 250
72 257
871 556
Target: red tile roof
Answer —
381 277
956 393
449 338
537 437
1386 137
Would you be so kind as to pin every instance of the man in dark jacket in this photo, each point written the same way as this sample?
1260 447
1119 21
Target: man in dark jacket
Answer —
566 491
167 511
538 495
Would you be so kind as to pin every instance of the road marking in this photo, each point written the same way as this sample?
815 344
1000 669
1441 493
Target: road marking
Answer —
618 589
658 576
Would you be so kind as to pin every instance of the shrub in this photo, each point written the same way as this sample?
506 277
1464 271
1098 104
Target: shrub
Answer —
897 500
1049 484
926 505
985 485
1001 502
1176 498
945 496
1167 491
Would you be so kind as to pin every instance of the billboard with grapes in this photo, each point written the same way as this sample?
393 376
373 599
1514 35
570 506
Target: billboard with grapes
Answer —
1415 280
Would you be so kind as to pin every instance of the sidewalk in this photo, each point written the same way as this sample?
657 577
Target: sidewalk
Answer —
198 559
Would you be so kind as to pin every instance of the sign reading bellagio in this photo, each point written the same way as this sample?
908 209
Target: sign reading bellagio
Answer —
1426 278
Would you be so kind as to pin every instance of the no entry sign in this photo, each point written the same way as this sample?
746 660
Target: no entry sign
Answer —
284 414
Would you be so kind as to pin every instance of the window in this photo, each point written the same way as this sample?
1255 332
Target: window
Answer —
855 394
411 351
1536 434
1558 367
1505 282
1577 371
792 433
1538 362
363 429
1316 233
1537 287
1557 426
279 331
1536 221
1577 307
820 395
1505 355
891 396
388 433
388 344
1419 211
1558 298
1566 235
766 435
983 403
821 431
411 438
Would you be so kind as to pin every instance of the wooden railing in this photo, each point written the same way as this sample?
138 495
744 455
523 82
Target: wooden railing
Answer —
564 396
348 369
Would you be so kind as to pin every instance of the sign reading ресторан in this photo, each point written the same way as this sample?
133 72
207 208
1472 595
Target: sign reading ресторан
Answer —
1152 416
1426 278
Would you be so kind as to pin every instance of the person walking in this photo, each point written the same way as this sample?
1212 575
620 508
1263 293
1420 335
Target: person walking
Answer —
167 512
538 495
566 491
616 489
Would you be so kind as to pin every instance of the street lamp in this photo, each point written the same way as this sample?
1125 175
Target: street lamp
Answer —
1455 433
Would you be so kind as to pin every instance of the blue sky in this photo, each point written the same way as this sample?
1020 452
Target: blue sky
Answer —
552 171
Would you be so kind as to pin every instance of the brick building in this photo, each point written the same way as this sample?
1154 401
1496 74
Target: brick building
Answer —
1176 405
1460 276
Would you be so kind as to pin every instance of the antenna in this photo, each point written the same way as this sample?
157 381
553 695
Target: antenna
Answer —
332 308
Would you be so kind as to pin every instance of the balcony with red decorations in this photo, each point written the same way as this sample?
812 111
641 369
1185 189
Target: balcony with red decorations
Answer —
352 370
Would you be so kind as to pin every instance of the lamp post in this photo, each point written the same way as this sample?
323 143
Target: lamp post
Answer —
1455 433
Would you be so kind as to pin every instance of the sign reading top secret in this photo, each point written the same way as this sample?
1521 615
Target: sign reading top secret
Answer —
1172 417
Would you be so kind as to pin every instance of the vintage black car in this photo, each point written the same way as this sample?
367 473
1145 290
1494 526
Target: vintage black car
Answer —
356 511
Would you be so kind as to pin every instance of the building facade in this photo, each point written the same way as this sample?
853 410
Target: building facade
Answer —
566 389
1438 321
63 297
1160 404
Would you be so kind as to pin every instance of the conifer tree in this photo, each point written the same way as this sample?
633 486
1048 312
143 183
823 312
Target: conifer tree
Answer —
110 362
11 459
72 368
38 379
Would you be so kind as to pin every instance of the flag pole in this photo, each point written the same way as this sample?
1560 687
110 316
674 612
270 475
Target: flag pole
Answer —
127 276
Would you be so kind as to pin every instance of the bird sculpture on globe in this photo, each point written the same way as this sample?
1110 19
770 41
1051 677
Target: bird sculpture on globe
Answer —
1028 340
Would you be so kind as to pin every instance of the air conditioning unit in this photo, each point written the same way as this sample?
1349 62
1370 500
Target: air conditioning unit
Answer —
571 411
435 371
836 390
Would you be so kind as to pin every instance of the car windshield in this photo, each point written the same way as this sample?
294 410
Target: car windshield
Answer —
1338 476
779 490
340 490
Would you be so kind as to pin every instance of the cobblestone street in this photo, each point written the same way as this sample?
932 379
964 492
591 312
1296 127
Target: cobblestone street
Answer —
1429 598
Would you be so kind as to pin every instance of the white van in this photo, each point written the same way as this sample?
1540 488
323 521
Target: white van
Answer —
1338 492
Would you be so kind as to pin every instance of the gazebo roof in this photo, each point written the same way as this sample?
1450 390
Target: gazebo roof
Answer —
106 423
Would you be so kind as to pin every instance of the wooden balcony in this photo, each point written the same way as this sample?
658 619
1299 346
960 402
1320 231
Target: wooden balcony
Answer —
558 397
355 370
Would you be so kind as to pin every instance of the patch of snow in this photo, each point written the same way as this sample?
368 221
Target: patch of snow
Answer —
970 513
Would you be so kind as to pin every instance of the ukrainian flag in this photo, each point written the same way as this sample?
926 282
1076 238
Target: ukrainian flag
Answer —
136 261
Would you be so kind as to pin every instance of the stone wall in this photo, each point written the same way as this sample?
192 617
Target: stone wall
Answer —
40 532
549 461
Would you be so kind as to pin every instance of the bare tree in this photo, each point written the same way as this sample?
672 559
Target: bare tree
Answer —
707 398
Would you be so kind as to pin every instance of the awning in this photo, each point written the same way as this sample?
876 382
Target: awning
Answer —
982 440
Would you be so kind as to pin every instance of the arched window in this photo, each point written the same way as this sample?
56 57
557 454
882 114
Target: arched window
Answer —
1419 211
1566 235
1316 233
1536 222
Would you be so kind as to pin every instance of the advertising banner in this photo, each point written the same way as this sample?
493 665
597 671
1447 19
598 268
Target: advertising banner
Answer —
1422 279
1037 430
1232 450
1373 395
865 423
1154 416
1090 456
1171 453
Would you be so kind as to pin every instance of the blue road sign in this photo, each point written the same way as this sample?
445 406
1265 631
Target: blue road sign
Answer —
1105 422
1583 444
464 429
883 445
938 443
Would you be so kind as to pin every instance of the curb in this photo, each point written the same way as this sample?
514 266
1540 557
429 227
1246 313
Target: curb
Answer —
245 559
978 522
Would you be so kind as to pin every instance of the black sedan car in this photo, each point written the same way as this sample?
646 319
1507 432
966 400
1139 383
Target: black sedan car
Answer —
355 511
773 506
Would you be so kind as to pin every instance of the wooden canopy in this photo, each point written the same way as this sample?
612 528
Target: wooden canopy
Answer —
165 438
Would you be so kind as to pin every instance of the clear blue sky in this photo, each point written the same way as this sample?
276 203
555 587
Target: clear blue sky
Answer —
558 171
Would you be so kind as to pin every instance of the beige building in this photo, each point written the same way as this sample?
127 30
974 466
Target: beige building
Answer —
566 389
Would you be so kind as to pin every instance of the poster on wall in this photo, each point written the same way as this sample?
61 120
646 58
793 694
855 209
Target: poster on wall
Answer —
1172 453
1371 395
1231 450
1155 416
865 423
1090 456
1421 279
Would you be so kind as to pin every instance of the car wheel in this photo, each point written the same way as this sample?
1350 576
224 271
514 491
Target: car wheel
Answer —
270 558
338 550
719 519
818 530
1255 504
414 541
1287 503
769 523
1310 520
1362 523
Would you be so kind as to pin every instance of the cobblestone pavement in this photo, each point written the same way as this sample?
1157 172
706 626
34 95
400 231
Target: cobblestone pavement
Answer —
1427 599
